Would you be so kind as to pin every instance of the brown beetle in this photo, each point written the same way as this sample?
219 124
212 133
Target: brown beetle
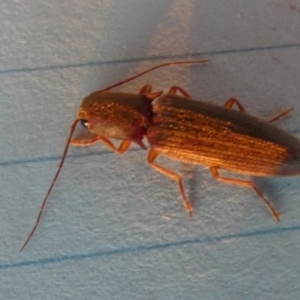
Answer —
186 130
106 115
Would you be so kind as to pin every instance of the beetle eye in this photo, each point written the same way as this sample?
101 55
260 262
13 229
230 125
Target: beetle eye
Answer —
84 123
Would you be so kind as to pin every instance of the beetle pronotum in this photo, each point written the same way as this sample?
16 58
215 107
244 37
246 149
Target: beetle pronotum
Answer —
187 130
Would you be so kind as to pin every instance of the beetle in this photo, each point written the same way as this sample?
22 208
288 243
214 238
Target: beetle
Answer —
194 132
186 130
106 115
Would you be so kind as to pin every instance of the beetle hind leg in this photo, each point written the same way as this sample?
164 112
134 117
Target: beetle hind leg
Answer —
230 102
152 155
215 173
283 114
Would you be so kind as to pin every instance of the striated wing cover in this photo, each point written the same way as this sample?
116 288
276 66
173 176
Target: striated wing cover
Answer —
201 133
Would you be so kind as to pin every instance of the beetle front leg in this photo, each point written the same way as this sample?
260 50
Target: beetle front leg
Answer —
86 142
146 89
215 173
152 155
123 147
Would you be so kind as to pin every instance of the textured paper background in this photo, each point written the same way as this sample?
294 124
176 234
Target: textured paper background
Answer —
113 227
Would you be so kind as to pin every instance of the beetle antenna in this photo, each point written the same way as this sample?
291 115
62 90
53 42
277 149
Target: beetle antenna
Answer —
73 125
154 68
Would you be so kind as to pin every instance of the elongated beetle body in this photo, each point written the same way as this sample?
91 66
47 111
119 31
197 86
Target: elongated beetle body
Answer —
186 130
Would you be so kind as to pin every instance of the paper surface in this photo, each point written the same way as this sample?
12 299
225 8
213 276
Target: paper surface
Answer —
113 227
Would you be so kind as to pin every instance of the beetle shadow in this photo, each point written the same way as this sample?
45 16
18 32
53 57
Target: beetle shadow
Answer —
192 183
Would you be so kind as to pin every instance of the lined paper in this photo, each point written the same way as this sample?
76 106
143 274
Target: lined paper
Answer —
114 228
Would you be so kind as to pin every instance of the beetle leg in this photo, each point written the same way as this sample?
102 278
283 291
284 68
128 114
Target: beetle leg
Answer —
229 103
152 155
146 89
120 150
176 88
123 147
285 113
215 173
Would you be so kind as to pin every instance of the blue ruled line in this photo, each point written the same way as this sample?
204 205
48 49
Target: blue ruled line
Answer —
10 163
147 248
151 58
